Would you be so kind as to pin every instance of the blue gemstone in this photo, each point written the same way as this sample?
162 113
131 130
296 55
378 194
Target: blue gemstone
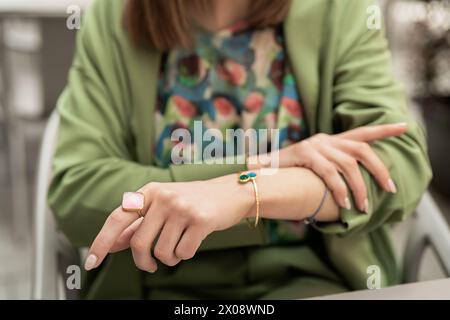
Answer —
251 174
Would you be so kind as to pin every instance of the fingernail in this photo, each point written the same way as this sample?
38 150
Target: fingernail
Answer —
401 124
366 206
90 262
392 187
347 206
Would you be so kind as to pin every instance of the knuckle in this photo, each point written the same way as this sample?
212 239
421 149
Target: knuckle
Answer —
152 187
305 144
184 212
200 219
364 146
185 216
184 254
168 201
363 149
321 137
138 244
164 195
101 243
328 170
350 163
116 217
162 254
181 205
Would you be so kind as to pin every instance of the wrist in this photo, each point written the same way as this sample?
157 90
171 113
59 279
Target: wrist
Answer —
243 194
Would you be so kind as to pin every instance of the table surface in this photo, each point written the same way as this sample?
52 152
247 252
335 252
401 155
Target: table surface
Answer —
427 290
40 8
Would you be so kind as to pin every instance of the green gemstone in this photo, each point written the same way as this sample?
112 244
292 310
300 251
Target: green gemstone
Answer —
244 178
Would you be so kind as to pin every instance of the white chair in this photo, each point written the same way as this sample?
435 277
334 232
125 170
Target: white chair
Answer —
53 253
430 229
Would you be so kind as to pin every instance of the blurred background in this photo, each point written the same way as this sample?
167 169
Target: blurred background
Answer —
36 49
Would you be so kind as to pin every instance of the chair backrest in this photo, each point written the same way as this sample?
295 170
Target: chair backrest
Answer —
52 251
429 229
44 284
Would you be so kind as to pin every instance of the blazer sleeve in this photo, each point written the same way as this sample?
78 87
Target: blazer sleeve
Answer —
94 161
365 93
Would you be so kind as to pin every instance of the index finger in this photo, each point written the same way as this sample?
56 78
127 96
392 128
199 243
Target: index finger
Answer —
375 132
113 227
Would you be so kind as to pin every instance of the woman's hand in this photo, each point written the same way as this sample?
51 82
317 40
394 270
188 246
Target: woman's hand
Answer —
181 214
331 155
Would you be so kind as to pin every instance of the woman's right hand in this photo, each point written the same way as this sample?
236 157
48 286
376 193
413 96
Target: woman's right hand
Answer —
329 156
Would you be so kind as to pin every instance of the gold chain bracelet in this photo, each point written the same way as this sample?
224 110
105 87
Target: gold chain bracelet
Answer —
244 178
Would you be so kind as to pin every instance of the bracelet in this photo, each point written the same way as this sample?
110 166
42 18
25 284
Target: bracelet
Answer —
312 218
244 178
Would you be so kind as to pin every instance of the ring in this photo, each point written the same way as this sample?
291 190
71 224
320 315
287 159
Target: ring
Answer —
133 202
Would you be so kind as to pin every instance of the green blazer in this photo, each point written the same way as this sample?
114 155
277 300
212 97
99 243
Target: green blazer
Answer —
344 78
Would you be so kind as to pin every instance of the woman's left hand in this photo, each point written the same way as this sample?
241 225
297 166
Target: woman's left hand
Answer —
182 214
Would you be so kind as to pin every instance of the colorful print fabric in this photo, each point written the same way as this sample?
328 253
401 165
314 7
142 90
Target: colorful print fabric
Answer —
234 78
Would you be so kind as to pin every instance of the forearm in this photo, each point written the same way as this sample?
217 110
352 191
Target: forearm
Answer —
294 194
289 194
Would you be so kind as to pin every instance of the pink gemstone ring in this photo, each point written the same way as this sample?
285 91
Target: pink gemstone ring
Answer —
133 202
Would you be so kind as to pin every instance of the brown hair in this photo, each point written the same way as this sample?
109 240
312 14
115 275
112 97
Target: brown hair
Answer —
165 24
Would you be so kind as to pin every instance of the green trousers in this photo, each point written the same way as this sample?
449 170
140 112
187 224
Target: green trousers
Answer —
277 272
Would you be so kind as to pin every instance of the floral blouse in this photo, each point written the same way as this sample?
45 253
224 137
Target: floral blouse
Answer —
234 78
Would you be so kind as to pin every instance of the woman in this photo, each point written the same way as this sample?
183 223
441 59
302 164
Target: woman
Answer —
144 70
